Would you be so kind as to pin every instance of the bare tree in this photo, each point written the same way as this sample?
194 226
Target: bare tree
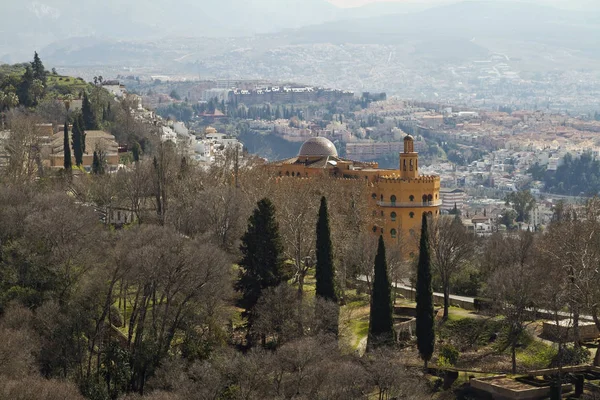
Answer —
515 288
23 147
451 245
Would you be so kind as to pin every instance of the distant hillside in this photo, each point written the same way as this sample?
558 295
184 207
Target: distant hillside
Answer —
468 21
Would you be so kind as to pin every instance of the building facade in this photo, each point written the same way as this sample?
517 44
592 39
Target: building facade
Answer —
452 197
397 197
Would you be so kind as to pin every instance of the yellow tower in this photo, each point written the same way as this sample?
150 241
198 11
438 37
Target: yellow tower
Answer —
409 160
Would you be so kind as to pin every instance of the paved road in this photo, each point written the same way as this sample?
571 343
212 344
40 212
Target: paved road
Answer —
471 300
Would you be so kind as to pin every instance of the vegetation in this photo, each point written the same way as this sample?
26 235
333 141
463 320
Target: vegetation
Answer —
424 298
576 176
261 266
381 322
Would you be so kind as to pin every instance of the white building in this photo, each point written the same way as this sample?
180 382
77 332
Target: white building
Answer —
451 197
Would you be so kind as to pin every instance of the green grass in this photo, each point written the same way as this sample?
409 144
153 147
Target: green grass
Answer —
535 355
360 330
64 84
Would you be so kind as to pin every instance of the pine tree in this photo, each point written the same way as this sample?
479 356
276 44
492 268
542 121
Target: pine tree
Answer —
96 167
89 116
261 265
77 142
39 72
381 322
67 149
424 296
325 272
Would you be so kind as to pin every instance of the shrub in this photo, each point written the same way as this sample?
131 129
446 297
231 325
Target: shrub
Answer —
571 356
448 354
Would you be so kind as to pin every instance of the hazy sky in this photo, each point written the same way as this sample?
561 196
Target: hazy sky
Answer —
557 3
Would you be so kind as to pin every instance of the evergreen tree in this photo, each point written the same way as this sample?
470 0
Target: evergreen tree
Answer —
24 89
76 142
67 149
39 72
424 296
89 116
96 167
82 131
381 322
325 272
261 265
136 150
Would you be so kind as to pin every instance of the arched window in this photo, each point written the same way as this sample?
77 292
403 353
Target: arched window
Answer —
393 200
382 213
412 214
381 197
373 196
411 198
411 164
393 233
424 198
287 173
405 165
430 198
374 229
429 213
393 216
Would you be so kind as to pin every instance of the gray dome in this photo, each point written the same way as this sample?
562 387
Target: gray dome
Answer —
317 146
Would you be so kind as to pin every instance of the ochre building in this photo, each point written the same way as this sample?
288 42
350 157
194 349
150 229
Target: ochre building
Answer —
398 197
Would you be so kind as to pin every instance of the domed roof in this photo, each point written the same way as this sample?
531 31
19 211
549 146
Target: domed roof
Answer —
317 146
409 137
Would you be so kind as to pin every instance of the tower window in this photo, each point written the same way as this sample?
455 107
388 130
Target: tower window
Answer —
393 216
293 174
393 233
373 196
374 229
412 214
393 199
411 198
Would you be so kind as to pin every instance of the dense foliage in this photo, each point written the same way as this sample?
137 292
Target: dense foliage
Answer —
381 322
575 177
424 297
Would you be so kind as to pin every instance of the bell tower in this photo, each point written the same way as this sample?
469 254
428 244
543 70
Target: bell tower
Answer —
409 159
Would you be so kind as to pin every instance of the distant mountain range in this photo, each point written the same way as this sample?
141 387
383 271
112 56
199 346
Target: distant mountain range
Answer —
109 32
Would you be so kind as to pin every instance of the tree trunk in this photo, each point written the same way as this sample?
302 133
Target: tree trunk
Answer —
446 301
576 333
514 358
300 285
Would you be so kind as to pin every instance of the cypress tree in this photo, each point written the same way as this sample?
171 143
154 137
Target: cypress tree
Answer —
424 296
325 272
82 132
76 142
88 114
136 150
96 168
381 320
67 150
261 265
